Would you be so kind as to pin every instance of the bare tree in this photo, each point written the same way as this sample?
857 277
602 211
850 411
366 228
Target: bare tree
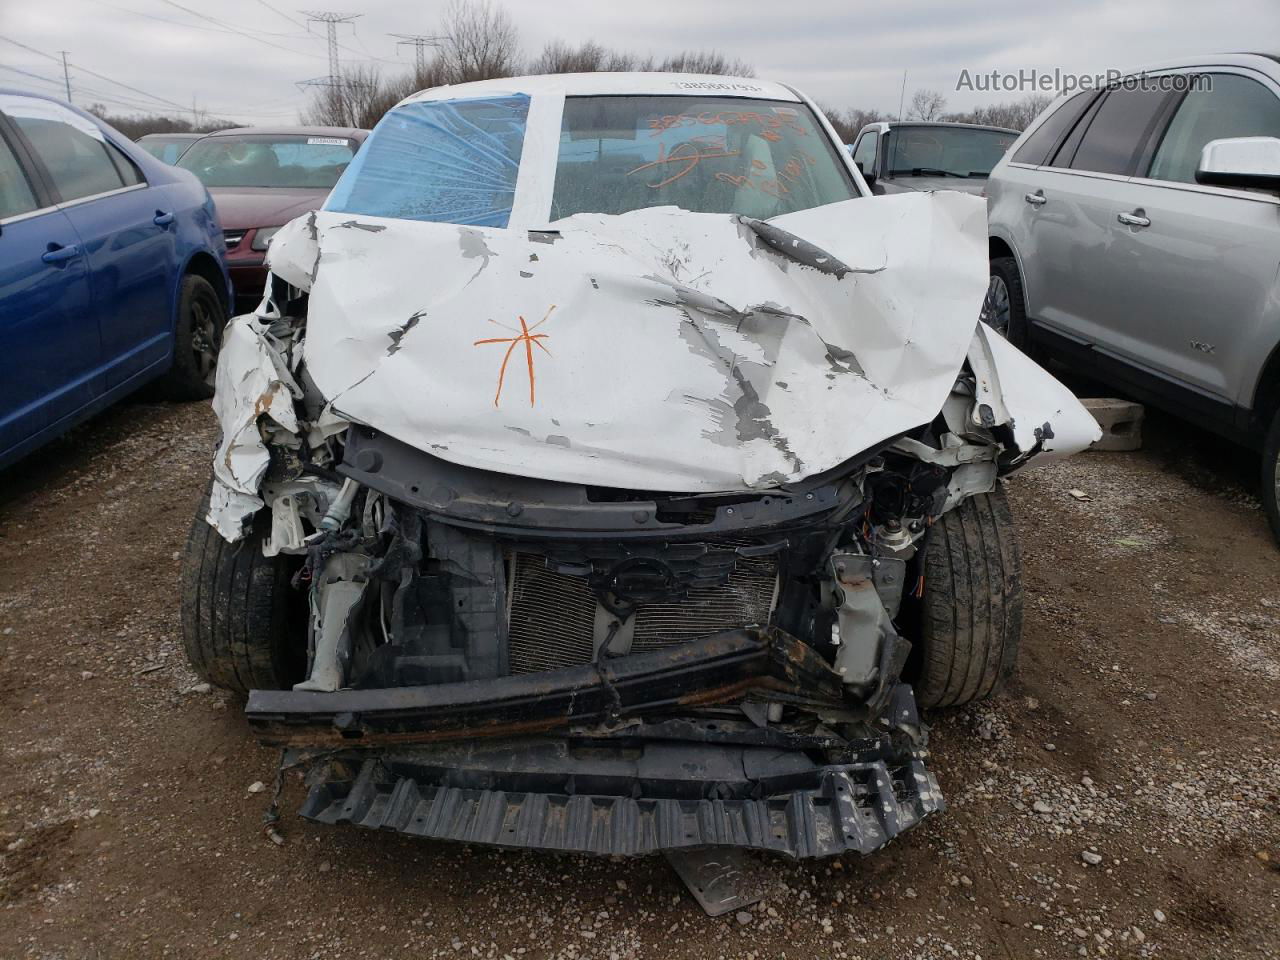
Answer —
136 125
927 105
1017 114
356 98
482 42
590 57
706 61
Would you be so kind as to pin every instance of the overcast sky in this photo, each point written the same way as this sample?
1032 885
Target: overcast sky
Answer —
843 56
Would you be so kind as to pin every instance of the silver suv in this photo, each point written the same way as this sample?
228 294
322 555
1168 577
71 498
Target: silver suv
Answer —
1137 230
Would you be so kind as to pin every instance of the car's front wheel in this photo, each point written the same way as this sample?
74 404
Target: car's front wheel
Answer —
197 340
970 613
244 626
1271 475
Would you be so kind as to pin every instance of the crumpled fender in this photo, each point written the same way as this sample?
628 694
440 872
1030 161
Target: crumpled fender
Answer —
254 391
1047 421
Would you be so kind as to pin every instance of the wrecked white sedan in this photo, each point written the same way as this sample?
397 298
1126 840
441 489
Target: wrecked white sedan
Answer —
606 470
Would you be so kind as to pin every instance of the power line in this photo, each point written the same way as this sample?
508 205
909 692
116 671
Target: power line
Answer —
119 99
192 26
49 56
250 36
34 76
283 14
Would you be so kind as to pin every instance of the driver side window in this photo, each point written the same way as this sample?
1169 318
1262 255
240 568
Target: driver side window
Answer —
864 155
1228 106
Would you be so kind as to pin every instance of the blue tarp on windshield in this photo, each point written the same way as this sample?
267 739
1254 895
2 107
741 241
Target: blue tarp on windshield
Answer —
445 161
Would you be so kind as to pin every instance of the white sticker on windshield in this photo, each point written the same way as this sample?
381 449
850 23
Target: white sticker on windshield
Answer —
331 141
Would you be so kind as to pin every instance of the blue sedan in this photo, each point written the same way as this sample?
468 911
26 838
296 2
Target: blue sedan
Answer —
112 272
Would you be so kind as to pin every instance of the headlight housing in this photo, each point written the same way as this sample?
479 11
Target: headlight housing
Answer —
262 236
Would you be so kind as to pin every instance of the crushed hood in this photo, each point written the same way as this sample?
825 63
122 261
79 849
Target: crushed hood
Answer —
658 349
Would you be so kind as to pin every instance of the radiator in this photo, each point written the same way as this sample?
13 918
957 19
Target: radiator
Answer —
552 615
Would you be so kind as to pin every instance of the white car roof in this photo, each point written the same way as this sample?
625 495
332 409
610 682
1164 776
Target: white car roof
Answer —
620 84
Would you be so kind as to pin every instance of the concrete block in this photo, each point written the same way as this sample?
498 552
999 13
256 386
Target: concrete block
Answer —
1120 420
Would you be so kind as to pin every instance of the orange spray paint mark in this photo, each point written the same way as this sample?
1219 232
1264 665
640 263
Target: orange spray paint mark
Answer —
524 336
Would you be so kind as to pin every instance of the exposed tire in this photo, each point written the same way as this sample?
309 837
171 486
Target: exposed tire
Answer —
1005 309
971 613
243 625
197 340
1271 475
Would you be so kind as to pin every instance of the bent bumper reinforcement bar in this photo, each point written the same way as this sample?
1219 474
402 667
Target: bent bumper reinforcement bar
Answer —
722 668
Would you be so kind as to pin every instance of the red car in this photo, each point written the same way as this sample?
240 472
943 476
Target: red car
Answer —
260 179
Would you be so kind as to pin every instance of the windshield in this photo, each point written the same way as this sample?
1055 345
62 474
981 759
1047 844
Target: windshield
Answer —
168 150
945 151
759 158
269 161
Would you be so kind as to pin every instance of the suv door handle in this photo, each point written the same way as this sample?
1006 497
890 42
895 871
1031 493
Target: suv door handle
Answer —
162 219
58 254
1036 199
1135 219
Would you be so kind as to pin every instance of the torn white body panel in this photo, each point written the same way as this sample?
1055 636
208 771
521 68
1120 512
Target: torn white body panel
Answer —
1044 414
658 349
253 383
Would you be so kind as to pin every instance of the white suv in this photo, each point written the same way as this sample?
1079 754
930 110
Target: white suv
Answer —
1135 230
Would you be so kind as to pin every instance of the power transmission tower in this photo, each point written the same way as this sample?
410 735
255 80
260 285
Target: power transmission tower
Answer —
338 87
420 44
66 76
331 21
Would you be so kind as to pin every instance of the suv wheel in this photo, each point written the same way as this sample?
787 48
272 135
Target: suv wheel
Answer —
1271 475
1004 310
197 340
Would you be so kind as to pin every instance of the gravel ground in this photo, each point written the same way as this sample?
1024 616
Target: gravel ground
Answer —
1119 799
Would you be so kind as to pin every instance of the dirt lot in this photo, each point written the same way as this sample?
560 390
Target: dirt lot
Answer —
1142 728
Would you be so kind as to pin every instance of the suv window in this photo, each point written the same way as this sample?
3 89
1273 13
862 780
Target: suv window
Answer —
865 153
1047 136
1232 106
1120 127
15 193
72 149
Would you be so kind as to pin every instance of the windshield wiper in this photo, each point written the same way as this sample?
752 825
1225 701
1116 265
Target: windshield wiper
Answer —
927 172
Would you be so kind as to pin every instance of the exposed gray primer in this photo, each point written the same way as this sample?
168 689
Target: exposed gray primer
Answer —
472 243
397 335
526 274
543 236
520 430
558 440
748 417
357 225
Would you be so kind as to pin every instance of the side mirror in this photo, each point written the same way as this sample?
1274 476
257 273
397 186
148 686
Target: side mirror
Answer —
1241 162
869 177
